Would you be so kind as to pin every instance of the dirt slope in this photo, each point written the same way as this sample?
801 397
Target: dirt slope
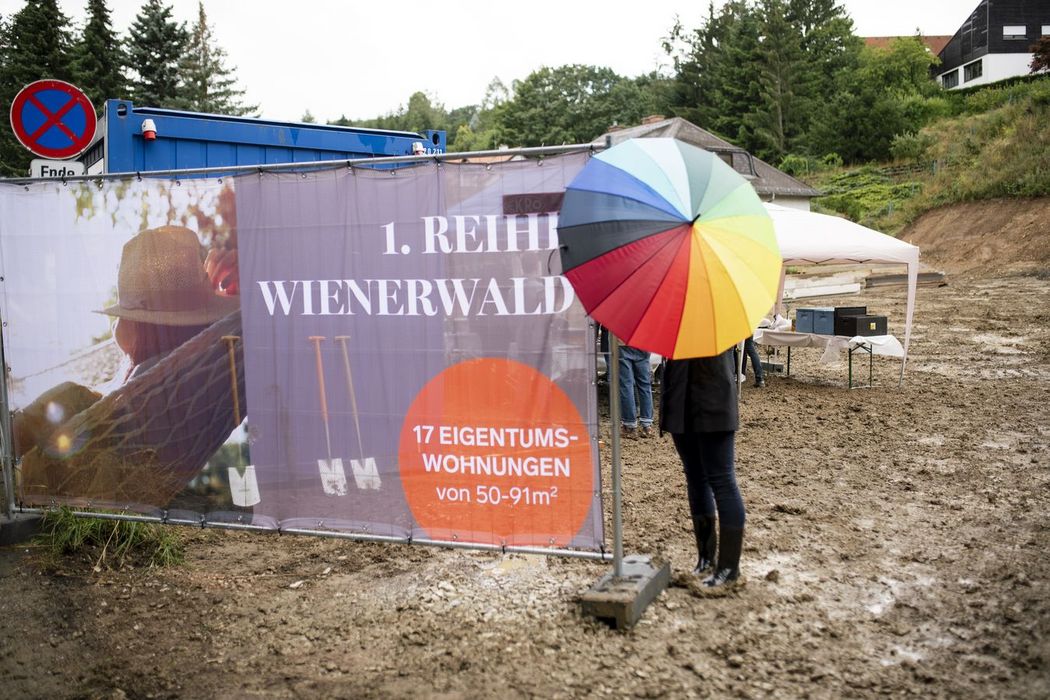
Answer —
993 235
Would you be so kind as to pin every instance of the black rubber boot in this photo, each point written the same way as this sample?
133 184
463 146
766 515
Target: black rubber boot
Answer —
706 540
730 543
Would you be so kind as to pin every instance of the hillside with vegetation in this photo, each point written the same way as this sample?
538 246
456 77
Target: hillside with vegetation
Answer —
987 143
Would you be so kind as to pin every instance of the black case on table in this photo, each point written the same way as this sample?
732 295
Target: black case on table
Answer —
860 325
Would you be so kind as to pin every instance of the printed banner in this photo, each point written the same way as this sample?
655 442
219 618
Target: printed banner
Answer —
389 352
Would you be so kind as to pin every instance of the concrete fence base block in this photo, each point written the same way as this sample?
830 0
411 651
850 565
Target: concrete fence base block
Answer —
19 527
621 601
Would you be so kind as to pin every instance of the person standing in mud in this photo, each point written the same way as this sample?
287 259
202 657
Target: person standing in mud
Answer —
636 407
699 409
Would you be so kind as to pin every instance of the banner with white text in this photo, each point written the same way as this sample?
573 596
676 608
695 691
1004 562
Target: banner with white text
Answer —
382 351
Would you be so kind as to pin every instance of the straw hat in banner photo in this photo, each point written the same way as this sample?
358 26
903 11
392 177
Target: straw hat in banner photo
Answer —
162 281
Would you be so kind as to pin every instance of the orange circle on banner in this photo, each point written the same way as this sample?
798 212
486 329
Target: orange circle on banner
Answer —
493 451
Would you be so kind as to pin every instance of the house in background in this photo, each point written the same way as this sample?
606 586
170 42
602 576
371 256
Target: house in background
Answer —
933 44
993 43
772 185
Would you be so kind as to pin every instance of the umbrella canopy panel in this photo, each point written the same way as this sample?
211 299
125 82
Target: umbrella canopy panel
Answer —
669 248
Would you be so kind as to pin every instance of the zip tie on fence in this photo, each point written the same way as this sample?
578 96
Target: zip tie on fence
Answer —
551 256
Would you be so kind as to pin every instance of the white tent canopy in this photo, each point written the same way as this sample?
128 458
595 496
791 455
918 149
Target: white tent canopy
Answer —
808 238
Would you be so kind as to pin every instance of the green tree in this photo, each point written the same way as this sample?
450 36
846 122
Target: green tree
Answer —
715 84
421 113
828 41
156 43
777 121
479 131
757 73
98 58
35 45
829 47
570 104
208 85
888 93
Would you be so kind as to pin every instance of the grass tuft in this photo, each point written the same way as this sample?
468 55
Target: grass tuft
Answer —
110 543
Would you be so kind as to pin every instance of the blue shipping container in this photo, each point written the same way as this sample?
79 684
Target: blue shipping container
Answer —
194 140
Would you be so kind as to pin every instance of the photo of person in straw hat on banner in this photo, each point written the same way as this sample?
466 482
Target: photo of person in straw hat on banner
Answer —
179 388
164 295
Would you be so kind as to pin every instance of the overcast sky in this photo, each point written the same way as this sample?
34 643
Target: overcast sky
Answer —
363 59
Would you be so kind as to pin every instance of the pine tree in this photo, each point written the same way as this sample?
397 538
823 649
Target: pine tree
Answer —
780 64
208 85
737 97
715 85
35 46
98 59
156 44
830 49
761 72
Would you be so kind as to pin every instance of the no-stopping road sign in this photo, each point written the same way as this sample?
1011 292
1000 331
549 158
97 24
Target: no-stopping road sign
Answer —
53 119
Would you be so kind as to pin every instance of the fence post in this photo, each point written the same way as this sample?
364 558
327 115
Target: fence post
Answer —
614 420
6 444
621 596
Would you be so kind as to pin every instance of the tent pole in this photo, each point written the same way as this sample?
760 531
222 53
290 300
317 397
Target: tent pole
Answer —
739 368
913 281
614 419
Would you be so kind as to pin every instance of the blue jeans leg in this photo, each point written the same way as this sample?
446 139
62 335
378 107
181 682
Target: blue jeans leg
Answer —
751 351
628 412
643 380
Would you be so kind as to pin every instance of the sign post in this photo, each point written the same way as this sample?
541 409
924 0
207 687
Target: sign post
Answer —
53 119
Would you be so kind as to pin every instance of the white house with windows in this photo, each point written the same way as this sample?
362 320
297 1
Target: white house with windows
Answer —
993 43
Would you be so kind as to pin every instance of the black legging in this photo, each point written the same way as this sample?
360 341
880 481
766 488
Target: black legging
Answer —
710 478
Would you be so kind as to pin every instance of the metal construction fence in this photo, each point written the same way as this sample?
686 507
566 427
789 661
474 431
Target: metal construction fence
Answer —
337 349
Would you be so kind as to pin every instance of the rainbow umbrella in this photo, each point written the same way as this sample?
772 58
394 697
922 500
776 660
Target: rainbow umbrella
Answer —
669 248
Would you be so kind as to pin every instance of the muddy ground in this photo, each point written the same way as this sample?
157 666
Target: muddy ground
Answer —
897 545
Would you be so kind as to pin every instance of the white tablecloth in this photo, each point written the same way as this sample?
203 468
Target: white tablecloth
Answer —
833 344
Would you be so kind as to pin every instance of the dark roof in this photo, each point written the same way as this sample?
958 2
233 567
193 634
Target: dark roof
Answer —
766 179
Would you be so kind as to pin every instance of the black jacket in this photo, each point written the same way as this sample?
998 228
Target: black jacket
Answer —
699 395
